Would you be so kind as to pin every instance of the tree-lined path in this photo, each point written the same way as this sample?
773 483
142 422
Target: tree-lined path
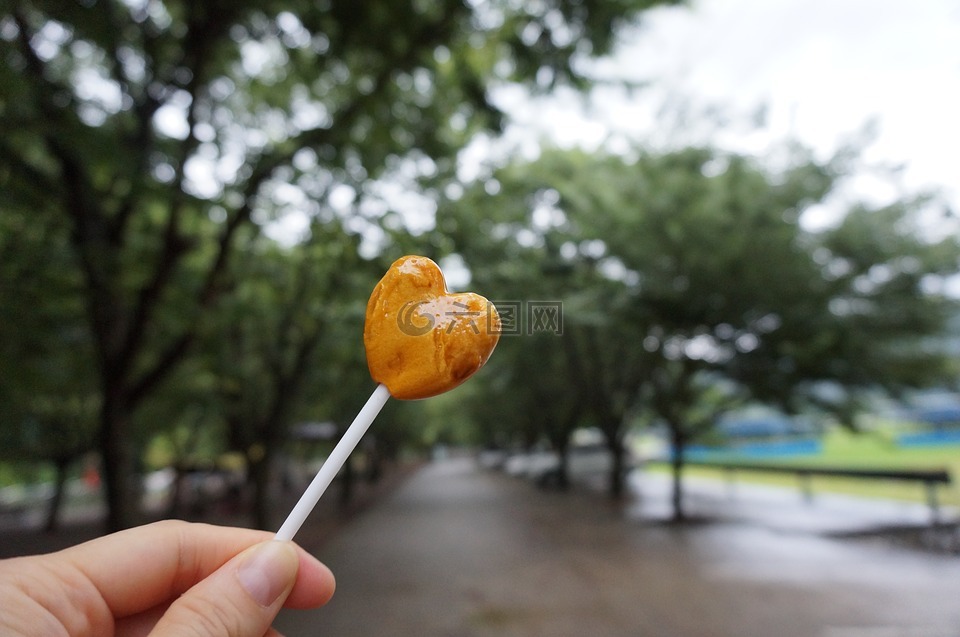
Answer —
459 551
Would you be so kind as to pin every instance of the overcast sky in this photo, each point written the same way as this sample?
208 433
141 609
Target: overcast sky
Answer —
823 68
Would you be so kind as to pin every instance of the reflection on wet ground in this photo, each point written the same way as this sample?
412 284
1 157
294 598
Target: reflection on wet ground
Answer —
466 552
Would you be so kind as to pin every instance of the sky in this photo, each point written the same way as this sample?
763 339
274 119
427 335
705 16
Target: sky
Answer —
822 69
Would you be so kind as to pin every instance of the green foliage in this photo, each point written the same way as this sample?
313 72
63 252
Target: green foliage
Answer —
48 400
147 147
156 139
689 285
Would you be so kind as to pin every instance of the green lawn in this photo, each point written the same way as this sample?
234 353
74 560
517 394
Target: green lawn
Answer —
865 450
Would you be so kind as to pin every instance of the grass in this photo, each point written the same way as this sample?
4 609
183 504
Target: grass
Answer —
874 450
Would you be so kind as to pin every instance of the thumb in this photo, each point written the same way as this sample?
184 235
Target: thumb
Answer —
240 599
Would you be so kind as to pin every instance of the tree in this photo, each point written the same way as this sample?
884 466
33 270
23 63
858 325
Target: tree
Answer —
873 317
153 131
47 402
730 285
714 247
523 245
272 336
694 284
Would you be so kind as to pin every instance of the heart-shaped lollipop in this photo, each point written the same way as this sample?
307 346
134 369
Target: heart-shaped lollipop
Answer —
421 340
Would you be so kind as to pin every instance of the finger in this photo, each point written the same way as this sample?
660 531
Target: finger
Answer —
240 599
141 624
165 559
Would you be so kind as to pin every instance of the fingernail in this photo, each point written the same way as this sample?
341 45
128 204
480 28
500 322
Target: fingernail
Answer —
267 570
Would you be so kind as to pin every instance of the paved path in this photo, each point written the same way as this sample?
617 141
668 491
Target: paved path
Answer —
460 552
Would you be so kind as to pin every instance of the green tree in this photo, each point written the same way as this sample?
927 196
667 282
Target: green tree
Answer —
154 131
693 283
728 282
873 317
522 246
269 337
47 402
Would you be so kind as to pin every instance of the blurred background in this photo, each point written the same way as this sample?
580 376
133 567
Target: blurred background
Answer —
723 236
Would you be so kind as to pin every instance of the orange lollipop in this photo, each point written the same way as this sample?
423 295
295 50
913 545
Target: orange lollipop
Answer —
420 341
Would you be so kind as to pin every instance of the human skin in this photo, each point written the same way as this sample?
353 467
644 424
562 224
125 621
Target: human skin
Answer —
169 578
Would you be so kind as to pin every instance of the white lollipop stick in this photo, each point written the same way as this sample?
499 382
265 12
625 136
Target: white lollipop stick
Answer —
331 466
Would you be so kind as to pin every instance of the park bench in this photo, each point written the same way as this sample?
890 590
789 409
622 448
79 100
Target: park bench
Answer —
931 478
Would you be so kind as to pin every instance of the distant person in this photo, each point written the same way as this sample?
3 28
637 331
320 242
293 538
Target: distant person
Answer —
165 579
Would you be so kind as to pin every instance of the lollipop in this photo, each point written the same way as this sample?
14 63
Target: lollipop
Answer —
420 341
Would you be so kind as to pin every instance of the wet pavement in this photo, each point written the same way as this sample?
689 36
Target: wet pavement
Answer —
460 551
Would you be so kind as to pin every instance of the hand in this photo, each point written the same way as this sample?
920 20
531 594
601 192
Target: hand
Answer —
166 579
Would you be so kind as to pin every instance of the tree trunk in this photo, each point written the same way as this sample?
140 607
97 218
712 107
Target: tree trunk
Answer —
60 482
679 443
119 476
563 469
616 483
260 471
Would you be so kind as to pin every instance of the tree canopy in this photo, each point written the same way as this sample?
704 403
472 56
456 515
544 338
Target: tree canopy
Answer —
157 138
188 189
689 285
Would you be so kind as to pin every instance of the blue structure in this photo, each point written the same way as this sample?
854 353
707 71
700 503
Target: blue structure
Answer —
754 435
940 437
756 450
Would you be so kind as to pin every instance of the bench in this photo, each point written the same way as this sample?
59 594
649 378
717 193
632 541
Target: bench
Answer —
931 478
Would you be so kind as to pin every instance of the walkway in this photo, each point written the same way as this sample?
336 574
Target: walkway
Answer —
461 552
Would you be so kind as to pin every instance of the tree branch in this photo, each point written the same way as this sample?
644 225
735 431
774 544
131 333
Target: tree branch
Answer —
89 235
263 169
